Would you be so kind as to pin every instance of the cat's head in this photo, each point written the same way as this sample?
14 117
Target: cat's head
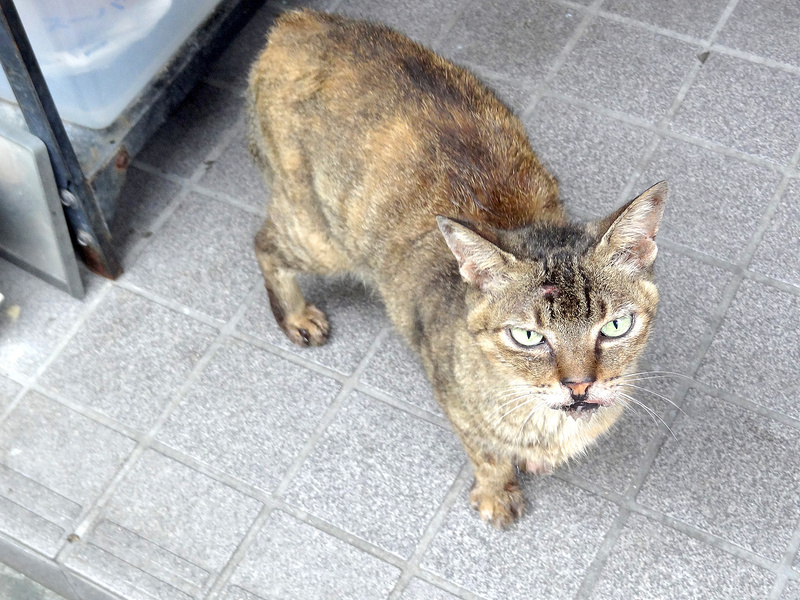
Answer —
563 311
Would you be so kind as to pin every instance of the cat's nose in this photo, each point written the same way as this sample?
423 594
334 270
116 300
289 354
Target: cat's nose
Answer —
578 386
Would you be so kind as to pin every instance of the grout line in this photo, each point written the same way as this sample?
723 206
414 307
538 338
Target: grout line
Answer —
227 199
170 304
405 406
412 565
93 513
787 571
641 25
448 25
289 356
589 15
755 58
348 385
448 586
595 570
241 551
54 354
783 286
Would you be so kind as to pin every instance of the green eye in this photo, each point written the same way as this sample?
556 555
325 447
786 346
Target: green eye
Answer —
617 327
526 337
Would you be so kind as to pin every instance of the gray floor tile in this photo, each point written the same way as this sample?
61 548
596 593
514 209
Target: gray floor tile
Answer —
249 414
653 562
778 254
520 39
421 20
234 173
166 532
543 556
53 464
141 201
15 586
206 114
591 155
730 472
8 391
755 353
202 257
743 105
684 16
355 315
378 473
768 29
514 93
129 358
397 370
34 317
714 202
422 590
233 67
615 459
791 591
295 561
690 292
631 70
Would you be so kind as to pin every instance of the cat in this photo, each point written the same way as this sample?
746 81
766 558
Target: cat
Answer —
388 162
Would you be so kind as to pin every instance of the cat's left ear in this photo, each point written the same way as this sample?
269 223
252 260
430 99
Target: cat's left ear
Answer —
481 263
629 240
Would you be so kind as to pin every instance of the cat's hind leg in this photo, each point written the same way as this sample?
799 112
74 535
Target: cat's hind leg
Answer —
302 323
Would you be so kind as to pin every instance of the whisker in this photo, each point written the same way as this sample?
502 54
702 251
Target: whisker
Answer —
651 411
530 414
664 398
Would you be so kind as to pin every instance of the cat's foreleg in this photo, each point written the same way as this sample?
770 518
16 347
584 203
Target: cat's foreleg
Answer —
495 494
303 323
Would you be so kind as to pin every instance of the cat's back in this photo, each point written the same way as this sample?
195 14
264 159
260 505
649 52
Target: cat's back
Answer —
376 118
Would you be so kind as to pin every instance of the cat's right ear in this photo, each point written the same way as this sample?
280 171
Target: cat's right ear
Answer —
481 263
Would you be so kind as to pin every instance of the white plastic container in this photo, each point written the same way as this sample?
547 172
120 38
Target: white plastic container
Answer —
97 55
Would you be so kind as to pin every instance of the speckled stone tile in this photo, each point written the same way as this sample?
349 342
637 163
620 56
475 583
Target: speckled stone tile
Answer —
791 591
199 123
295 561
249 414
689 294
743 105
35 317
8 391
730 472
166 533
628 69
421 20
591 155
778 254
53 464
653 562
202 257
378 473
514 93
767 29
355 316
692 18
755 354
545 553
422 590
518 39
397 370
129 358
235 174
714 202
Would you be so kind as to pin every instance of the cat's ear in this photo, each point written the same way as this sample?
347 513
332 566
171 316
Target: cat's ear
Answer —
481 263
629 240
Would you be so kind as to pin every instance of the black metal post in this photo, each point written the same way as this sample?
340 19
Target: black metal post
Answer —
88 227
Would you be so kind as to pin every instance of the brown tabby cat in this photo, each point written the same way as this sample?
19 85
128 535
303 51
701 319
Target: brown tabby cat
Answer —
388 162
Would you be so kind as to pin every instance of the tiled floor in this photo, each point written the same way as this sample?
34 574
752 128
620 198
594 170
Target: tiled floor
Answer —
162 439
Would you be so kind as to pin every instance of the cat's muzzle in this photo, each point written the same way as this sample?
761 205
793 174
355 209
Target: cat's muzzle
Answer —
581 407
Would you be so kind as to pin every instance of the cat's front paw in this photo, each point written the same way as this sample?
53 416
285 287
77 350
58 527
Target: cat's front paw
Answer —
307 328
500 507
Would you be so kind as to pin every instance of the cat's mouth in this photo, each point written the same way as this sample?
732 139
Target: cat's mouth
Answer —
580 408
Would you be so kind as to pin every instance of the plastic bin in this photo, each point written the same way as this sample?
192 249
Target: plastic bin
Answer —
97 55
